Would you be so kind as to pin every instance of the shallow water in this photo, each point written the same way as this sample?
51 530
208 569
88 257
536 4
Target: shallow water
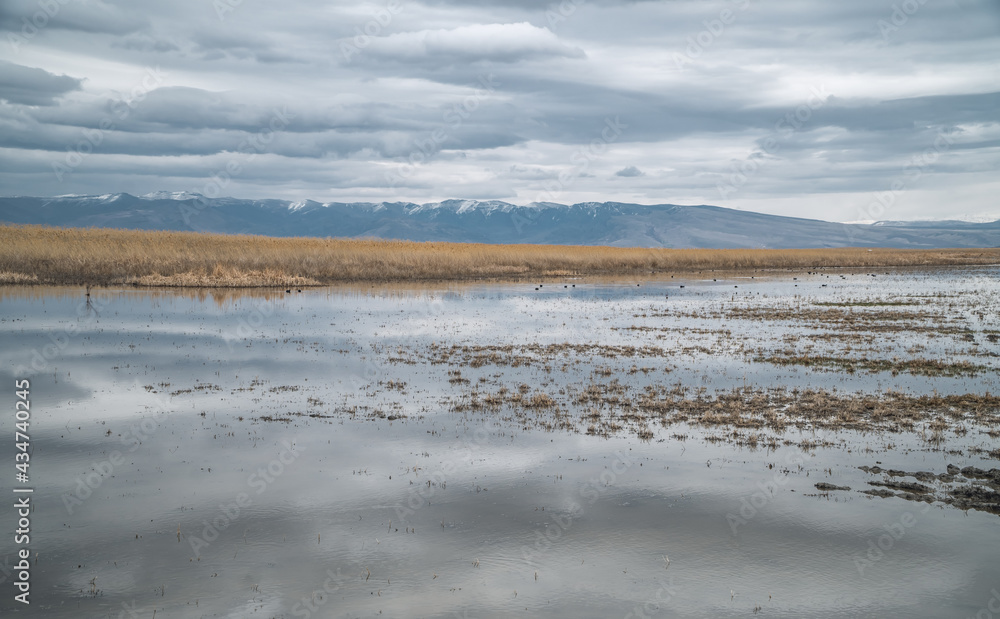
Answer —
445 514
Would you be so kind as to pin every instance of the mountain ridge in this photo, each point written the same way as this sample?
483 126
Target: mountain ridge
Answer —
489 221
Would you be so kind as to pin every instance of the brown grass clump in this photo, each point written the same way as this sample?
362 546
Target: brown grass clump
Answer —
224 277
606 408
39 254
918 367
539 400
9 277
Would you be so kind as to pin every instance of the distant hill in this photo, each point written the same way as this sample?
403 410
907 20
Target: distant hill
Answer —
589 223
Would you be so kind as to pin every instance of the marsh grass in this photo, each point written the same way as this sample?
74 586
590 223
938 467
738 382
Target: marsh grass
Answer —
918 367
875 303
606 408
87 256
8 277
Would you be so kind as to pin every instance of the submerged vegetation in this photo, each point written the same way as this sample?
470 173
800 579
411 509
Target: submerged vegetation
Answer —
46 255
750 416
916 366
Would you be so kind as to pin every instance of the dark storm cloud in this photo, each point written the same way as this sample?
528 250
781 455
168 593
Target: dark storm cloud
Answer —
146 44
913 113
32 86
825 101
24 16
629 172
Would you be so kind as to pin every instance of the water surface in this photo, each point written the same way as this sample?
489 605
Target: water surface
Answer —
317 431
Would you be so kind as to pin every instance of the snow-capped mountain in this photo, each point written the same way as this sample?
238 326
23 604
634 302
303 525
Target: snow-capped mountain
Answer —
490 221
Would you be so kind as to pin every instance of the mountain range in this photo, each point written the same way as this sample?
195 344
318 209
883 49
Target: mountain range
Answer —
589 223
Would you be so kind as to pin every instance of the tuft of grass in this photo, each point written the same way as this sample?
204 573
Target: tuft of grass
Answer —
89 256
9 277
918 367
876 303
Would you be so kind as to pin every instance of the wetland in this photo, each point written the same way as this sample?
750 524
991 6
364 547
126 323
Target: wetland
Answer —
822 443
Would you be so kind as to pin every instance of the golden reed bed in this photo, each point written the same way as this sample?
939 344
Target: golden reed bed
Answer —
86 256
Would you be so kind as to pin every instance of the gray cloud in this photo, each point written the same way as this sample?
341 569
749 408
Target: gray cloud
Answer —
629 172
472 43
32 86
145 43
93 17
716 99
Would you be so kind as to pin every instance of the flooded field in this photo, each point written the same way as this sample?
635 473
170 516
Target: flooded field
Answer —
821 444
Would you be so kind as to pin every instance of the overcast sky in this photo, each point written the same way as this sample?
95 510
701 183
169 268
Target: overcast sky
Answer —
844 111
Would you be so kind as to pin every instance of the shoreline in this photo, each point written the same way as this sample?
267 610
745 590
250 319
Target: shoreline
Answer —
683 276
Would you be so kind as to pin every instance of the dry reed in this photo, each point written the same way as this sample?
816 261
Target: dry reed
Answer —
47 255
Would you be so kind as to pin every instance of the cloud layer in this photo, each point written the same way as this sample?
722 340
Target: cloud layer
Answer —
837 111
